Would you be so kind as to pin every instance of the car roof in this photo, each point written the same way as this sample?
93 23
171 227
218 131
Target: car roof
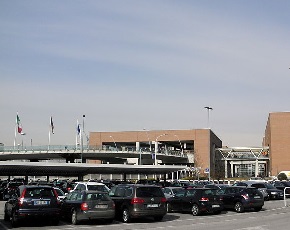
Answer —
90 183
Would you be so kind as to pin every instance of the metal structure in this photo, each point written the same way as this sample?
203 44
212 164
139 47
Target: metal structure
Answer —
243 161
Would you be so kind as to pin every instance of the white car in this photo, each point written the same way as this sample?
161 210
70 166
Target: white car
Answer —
95 186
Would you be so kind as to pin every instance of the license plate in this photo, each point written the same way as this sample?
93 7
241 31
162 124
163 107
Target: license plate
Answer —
152 205
101 206
41 202
257 197
215 205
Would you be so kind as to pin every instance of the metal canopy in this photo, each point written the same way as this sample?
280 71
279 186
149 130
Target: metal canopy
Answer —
76 169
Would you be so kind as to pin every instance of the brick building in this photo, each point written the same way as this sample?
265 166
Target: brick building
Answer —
277 138
201 142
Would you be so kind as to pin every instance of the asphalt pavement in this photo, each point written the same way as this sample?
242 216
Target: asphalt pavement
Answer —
274 215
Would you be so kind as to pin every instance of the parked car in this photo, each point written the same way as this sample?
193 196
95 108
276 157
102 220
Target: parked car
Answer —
249 183
30 201
273 192
196 201
241 198
10 188
282 185
2 187
137 201
88 205
94 186
171 191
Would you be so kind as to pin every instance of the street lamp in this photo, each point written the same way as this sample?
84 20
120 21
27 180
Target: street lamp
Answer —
179 144
156 147
208 109
148 139
114 142
209 169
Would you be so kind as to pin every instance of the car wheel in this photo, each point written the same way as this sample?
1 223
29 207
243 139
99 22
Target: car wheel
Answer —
125 215
195 210
168 208
239 207
14 220
6 216
257 209
74 217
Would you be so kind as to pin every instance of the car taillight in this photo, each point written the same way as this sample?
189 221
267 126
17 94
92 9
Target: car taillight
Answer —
204 199
84 207
21 198
163 200
246 196
137 201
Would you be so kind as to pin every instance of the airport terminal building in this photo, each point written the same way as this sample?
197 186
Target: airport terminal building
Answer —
196 147
203 149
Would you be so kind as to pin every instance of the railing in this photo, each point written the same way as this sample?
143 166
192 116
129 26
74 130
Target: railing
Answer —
74 148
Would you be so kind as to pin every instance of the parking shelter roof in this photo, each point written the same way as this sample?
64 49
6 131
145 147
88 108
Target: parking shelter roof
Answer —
75 169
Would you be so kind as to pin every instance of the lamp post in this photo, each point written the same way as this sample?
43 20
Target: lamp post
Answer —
208 109
156 147
114 142
148 139
209 169
179 144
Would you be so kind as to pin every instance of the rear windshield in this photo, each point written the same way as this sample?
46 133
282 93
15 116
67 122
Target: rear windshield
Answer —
98 196
253 192
98 188
149 192
38 192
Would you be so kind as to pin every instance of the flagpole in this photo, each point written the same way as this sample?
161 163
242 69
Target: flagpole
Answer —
48 140
15 136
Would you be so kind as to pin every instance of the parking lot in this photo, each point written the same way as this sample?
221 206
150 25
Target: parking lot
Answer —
274 215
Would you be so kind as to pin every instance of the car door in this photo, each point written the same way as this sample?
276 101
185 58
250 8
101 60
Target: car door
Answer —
68 203
228 196
189 198
177 200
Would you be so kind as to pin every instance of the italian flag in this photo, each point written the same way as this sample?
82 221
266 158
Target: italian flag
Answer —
19 128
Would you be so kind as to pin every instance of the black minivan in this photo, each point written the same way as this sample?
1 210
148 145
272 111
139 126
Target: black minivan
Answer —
137 200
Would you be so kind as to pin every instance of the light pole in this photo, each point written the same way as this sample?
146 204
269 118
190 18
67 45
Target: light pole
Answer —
114 142
179 144
148 139
209 169
156 147
208 109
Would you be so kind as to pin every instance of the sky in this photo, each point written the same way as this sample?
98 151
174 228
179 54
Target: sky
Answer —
133 65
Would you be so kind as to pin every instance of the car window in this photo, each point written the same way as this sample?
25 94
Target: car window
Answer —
38 192
129 192
209 192
97 188
72 196
98 196
190 193
180 193
269 186
149 192
120 192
